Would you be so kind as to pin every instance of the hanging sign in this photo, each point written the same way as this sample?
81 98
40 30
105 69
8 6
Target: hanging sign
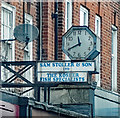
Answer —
64 71
63 77
66 66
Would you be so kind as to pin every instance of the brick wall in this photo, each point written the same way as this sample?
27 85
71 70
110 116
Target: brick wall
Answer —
48 38
33 10
61 28
106 11
47 31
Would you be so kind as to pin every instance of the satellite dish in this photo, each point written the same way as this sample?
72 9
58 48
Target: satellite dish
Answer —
26 32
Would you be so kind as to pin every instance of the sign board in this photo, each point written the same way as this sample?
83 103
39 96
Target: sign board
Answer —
66 66
64 71
63 77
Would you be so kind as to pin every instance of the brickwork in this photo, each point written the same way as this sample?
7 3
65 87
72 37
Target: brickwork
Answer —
106 11
107 22
48 31
33 10
76 13
61 28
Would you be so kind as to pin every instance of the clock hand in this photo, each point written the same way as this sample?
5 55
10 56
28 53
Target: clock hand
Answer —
79 41
79 44
73 46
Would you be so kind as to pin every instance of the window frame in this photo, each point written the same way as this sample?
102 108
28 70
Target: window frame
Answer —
98 58
30 44
68 24
84 22
28 49
114 56
13 10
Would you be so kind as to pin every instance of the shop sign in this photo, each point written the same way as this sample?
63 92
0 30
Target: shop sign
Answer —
66 66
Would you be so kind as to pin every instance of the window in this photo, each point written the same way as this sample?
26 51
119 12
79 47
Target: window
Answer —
114 58
7 27
83 16
97 25
97 32
28 54
68 18
28 48
68 14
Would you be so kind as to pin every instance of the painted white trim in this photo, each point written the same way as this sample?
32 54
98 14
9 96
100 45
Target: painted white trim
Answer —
8 6
83 11
97 18
68 18
98 32
13 10
30 18
114 59
30 52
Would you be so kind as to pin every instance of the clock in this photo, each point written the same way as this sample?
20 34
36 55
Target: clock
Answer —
80 43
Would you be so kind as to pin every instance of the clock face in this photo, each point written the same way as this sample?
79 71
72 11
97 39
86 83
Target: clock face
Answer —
80 43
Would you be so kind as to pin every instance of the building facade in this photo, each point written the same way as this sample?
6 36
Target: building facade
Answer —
103 18
12 15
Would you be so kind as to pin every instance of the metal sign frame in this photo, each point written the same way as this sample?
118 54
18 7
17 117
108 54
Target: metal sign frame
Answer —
18 74
26 66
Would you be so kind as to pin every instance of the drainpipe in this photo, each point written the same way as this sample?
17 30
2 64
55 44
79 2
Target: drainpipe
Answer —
55 16
39 48
40 33
39 41
23 12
